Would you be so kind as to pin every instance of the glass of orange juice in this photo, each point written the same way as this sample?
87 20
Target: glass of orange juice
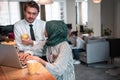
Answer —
32 66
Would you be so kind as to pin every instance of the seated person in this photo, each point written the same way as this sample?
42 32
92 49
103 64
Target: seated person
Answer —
2 38
70 39
58 51
77 47
11 36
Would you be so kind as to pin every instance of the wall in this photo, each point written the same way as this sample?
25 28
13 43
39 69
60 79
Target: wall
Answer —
117 19
70 13
94 17
110 16
107 14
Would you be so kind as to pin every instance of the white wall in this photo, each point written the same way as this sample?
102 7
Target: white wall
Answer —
94 17
70 13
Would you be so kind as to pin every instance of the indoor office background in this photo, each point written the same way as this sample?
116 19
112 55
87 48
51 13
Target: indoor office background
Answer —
12 11
75 12
78 12
68 11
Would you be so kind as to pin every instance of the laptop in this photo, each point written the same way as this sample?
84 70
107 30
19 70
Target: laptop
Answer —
9 56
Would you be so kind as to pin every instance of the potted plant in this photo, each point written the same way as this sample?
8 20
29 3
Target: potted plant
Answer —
89 31
107 32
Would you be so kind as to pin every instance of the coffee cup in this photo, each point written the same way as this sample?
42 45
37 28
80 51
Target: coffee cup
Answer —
32 66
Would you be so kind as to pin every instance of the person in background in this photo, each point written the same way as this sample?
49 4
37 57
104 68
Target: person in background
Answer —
58 51
77 47
11 36
29 45
2 37
70 39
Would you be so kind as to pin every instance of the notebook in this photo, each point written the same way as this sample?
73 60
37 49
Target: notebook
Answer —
9 56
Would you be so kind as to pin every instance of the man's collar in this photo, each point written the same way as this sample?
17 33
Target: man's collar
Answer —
29 23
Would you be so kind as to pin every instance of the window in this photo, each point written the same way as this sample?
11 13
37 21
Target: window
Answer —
84 12
9 12
55 11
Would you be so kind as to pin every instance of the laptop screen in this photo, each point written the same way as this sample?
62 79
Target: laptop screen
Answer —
9 56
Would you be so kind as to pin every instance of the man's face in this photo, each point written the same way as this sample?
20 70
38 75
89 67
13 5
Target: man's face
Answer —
31 14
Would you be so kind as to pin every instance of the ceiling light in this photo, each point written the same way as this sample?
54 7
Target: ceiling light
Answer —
97 1
43 2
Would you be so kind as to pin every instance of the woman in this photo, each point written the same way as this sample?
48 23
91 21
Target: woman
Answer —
58 51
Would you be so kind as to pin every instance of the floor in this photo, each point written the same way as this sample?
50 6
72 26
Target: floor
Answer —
98 71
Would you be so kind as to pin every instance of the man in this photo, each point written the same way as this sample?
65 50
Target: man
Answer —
30 46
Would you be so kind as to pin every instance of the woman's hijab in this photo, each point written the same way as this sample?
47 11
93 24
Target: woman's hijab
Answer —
57 32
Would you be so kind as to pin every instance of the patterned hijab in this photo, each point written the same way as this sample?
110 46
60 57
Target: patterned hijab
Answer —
57 32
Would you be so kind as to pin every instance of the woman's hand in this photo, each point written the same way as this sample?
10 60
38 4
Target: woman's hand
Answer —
43 62
23 57
33 58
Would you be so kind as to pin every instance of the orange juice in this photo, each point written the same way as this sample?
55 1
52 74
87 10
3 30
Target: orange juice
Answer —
32 66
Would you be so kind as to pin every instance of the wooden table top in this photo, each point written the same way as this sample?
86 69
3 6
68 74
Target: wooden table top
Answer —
9 73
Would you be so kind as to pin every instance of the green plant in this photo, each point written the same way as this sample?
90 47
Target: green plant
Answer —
107 32
89 30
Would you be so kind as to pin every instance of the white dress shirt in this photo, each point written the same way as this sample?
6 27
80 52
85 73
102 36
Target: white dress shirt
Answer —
22 27
80 43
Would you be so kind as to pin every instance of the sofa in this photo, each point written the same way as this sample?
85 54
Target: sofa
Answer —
97 50
5 30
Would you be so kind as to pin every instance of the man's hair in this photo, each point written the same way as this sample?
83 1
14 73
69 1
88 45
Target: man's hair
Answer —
32 4
75 33
69 26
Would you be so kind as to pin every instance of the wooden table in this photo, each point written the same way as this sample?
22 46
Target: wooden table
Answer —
9 73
